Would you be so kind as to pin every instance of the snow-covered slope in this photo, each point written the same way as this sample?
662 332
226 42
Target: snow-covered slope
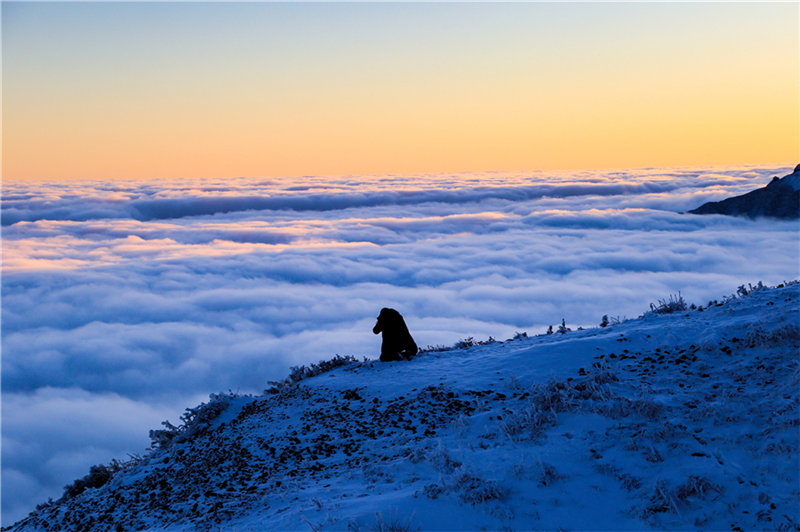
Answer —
681 420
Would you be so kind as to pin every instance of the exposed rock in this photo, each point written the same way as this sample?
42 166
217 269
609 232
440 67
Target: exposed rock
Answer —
779 199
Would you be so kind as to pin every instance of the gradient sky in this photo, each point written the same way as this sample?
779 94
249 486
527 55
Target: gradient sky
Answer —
146 90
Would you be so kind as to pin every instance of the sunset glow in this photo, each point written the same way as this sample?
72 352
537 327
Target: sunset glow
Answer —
109 90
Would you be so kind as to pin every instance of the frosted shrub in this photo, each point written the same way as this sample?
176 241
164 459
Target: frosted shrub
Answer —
548 399
648 408
98 476
528 422
592 389
393 525
661 500
666 499
299 373
696 486
616 408
553 396
161 438
602 374
464 343
668 306
743 291
441 460
620 407
205 413
470 341
432 491
329 365
194 421
438 348
474 490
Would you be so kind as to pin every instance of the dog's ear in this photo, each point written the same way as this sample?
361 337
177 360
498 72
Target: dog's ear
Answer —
388 316
397 319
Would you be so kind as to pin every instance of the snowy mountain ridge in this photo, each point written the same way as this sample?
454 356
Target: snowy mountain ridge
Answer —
686 419
780 198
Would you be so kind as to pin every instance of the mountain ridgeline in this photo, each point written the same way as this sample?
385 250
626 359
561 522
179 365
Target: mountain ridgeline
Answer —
778 199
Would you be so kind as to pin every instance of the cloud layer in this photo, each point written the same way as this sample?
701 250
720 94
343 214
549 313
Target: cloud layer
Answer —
132 300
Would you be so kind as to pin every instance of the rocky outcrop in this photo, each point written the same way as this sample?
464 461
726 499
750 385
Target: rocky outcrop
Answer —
779 199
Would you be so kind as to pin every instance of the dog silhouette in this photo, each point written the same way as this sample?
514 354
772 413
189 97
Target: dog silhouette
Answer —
397 342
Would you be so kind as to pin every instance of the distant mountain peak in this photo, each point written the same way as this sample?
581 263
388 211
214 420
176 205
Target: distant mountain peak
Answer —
780 198
792 180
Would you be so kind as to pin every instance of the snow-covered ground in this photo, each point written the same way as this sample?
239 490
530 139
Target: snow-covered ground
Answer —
687 420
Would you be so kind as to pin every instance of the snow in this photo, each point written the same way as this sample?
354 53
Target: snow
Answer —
792 180
669 421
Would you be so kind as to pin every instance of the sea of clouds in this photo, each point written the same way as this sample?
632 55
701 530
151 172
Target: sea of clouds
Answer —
124 302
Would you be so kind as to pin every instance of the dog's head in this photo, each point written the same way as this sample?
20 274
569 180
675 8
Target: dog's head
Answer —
388 319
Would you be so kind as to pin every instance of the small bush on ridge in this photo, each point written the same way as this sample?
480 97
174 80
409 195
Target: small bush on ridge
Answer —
668 306
299 373
194 421
99 475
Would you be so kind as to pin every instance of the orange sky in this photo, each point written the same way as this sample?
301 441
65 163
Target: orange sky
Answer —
216 90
